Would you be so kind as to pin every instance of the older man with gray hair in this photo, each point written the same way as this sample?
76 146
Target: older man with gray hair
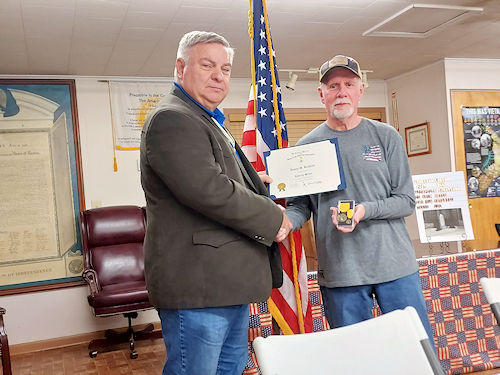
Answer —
210 225
373 256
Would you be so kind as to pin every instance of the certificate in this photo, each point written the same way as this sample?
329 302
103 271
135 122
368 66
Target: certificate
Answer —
307 169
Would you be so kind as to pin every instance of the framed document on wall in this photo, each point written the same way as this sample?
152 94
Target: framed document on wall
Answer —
418 141
41 189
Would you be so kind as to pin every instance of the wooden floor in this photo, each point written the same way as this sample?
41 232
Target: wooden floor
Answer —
75 360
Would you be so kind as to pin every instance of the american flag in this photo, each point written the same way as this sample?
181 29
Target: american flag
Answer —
372 153
264 130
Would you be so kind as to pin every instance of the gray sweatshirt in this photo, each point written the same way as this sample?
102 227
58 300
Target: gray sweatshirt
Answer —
378 176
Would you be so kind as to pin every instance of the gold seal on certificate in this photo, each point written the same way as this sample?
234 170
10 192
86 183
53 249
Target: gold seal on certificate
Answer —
306 169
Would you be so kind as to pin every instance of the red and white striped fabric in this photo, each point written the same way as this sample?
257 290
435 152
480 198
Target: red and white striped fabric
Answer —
252 145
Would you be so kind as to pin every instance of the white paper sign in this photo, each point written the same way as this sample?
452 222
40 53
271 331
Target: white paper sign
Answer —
442 208
131 103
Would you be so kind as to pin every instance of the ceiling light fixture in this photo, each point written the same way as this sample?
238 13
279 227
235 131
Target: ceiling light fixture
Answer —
291 81
364 78
293 76
420 20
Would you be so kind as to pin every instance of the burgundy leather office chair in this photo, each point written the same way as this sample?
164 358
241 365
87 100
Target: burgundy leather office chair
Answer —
112 239
4 346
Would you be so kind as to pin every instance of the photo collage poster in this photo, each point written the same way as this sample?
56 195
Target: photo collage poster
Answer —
481 127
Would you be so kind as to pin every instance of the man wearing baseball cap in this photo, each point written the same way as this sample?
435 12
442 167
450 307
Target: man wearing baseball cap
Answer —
374 258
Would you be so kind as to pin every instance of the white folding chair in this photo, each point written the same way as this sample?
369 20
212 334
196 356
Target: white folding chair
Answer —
491 289
392 344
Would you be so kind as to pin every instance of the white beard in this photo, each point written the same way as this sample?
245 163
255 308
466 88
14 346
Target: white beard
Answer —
342 114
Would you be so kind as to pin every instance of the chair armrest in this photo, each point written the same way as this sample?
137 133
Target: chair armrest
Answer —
2 328
90 276
4 346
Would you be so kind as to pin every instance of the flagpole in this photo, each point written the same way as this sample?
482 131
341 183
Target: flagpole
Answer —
296 284
252 59
278 317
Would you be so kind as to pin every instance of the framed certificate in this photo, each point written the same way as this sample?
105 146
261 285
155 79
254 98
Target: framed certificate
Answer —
306 169
418 141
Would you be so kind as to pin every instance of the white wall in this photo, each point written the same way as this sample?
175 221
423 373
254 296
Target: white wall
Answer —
101 183
468 74
65 312
472 74
424 95
59 313
421 97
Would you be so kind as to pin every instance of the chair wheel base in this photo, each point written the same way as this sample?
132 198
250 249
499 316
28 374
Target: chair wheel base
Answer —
113 340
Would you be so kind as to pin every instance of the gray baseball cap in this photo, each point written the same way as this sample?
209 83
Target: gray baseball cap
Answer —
339 61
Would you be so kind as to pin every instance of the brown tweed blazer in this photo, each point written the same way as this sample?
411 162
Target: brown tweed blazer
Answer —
209 221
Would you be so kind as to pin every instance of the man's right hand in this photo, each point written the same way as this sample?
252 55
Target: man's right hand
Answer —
359 213
286 227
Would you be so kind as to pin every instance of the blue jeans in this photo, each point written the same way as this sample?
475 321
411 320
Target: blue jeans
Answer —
208 341
349 305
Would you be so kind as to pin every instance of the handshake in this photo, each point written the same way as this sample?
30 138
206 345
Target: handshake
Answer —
286 225
285 228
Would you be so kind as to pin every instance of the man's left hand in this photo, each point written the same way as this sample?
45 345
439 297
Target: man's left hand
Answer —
359 213
264 177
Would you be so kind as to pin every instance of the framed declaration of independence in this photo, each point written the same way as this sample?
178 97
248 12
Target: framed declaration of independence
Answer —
41 189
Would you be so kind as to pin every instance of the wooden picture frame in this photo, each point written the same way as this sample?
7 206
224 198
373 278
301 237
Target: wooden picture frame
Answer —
41 190
418 140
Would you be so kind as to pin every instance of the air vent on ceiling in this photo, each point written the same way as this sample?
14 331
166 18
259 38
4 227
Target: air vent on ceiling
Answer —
421 20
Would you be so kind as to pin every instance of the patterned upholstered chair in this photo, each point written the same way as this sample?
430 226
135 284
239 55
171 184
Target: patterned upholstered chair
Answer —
4 346
112 239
